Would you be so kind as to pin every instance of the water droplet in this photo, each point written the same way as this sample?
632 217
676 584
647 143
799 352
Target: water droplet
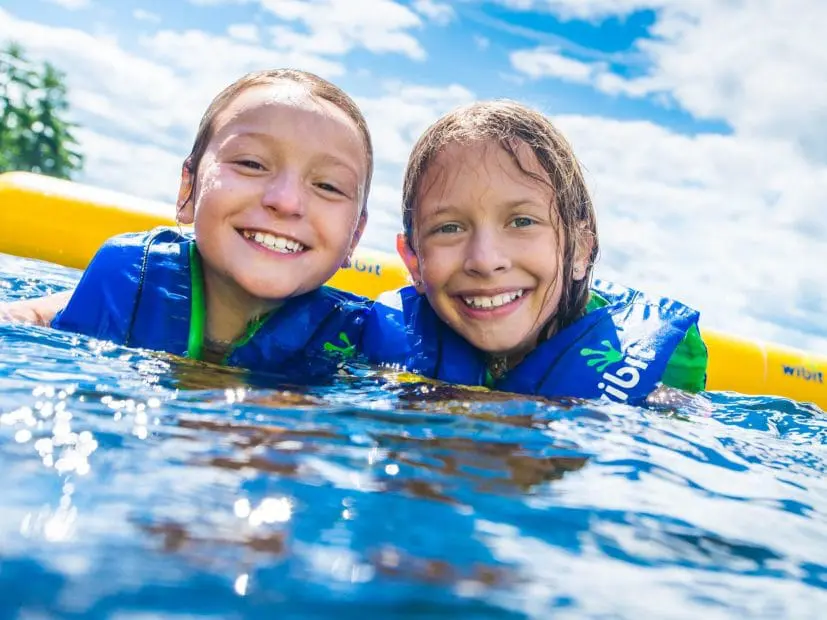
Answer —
241 583
242 508
23 435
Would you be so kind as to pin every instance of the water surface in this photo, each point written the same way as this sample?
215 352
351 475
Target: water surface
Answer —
139 485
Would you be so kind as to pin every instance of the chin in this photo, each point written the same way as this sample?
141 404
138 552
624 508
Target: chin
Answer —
502 349
492 348
267 291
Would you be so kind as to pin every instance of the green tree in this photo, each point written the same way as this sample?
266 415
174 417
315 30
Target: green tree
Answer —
34 133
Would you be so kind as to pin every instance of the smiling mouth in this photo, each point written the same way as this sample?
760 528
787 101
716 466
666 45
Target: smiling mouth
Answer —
273 242
486 302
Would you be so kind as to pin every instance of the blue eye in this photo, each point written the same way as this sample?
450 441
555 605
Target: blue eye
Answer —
448 229
522 222
327 187
249 163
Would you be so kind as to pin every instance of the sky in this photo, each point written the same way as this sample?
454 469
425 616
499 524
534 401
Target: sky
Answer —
702 124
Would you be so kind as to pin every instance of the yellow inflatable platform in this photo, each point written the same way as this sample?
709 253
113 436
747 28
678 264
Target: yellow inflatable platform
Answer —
65 222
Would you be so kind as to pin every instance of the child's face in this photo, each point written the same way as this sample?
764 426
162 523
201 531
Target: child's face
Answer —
487 246
277 202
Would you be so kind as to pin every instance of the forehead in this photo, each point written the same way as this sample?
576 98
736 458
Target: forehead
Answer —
482 171
286 107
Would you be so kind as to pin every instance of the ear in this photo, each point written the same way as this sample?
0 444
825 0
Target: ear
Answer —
582 252
357 235
185 208
411 261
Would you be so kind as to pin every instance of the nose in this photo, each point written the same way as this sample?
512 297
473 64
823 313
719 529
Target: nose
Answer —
486 254
284 194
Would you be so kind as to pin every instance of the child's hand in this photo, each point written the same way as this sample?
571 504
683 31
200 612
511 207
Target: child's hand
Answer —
37 311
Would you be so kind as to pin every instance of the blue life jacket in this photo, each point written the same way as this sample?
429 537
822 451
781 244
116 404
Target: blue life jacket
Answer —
138 291
616 352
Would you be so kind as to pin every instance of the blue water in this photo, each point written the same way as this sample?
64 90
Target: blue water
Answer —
137 485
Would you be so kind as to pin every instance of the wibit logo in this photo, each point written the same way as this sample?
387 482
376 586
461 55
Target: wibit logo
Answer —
602 358
363 266
346 351
619 381
802 372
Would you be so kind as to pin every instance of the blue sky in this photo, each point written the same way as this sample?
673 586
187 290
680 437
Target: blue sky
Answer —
702 124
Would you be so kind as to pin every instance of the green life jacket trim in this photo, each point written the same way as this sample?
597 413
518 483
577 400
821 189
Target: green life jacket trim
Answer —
198 312
195 342
686 368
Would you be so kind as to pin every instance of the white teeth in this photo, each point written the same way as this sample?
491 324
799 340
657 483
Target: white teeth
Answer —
492 302
272 242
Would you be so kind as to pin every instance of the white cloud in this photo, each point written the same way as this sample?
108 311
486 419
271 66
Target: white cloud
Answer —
481 42
144 170
339 26
437 12
144 106
72 5
546 62
396 120
108 87
220 60
590 9
335 27
244 32
146 16
731 225
758 66
217 2
384 216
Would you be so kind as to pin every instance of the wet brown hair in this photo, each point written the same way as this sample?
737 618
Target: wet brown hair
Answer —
316 87
508 124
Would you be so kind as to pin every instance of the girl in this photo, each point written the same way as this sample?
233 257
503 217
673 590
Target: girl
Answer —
500 239
276 186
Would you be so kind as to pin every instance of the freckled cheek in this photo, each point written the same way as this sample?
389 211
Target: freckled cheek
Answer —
444 262
208 173
210 190
336 229
237 185
436 277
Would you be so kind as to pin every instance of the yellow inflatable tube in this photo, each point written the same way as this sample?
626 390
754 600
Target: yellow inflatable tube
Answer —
65 223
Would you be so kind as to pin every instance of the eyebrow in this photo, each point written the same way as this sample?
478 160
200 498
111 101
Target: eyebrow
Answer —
338 161
325 157
509 205
440 210
521 202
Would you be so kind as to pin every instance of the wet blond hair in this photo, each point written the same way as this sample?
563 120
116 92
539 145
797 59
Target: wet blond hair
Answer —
509 124
316 86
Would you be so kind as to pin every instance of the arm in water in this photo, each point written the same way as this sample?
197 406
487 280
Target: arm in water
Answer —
36 311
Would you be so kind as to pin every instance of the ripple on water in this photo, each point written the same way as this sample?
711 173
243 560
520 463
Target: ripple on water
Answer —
141 484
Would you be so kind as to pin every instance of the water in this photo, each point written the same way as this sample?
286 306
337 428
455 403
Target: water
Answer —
138 485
